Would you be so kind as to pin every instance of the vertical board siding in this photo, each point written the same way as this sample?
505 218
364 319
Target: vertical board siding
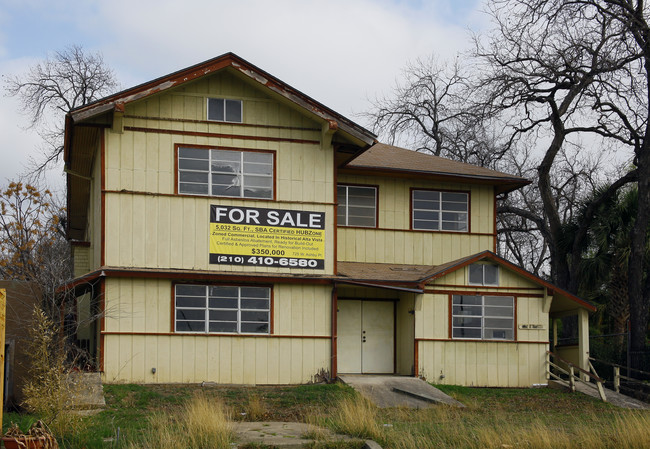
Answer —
193 359
478 363
482 364
145 161
394 196
139 307
388 246
172 232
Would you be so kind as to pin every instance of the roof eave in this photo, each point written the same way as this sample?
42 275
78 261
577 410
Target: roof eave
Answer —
500 260
504 184
224 61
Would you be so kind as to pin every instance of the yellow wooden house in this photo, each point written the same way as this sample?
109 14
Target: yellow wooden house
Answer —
228 228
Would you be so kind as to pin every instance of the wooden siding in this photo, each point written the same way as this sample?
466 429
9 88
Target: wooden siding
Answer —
138 338
81 260
143 160
482 364
173 231
390 244
508 280
425 248
404 322
148 225
95 214
518 363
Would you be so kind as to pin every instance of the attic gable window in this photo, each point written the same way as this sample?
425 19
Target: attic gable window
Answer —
225 172
484 274
440 211
224 110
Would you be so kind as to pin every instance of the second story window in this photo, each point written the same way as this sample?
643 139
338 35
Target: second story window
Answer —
229 173
357 206
440 211
223 110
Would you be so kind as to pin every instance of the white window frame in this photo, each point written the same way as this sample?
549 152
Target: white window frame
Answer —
226 101
347 207
241 176
440 210
484 315
483 281
178 310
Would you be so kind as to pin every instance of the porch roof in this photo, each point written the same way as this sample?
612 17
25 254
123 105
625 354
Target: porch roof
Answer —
416 276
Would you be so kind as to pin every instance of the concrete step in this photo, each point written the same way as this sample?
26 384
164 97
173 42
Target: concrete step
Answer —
422 397
397 391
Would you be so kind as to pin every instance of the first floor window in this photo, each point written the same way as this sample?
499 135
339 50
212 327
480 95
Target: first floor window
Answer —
357 206
440 211
222 309
483 317
225 172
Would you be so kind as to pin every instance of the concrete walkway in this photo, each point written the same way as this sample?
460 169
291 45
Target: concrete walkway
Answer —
614 398
287 435
398 391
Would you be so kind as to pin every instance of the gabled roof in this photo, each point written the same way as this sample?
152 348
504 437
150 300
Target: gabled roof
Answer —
227 60
83 124
380 274
391 160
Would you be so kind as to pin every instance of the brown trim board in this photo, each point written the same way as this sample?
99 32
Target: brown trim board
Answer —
218 135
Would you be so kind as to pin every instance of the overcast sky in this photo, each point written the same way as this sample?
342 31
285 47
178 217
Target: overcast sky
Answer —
340 52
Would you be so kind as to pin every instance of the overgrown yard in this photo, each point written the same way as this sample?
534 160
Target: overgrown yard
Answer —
139 416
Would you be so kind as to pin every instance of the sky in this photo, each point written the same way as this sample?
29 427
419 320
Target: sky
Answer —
343 53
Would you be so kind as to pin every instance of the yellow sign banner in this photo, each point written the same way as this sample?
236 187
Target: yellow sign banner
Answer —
267 237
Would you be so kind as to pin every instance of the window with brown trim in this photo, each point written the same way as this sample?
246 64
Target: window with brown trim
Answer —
434 210
483 274
357 206
225 172
222 309
224 110
483 317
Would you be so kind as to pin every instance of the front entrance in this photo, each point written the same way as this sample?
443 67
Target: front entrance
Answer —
366 337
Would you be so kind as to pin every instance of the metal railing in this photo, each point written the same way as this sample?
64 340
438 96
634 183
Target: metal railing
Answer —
571 372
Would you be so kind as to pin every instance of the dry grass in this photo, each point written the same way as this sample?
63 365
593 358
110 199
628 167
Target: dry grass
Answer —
255 408
202 424
358 417
443 427
49 391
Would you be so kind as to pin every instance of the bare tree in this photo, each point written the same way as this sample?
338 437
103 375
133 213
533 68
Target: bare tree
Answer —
566 68
562 84
33 246
432 111
50 89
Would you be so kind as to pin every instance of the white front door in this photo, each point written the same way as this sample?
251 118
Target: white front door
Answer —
365 337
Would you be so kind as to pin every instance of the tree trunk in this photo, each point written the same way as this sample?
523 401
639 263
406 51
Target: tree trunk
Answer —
638 292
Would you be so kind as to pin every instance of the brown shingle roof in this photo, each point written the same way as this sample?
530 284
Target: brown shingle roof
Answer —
383 272
388 158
